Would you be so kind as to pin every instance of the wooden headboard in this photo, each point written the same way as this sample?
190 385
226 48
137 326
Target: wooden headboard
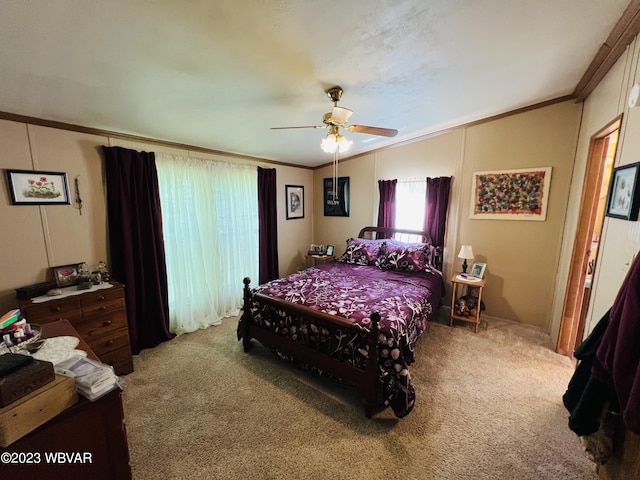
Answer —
421 236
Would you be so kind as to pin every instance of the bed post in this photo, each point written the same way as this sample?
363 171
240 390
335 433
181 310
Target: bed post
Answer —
245 319
372 382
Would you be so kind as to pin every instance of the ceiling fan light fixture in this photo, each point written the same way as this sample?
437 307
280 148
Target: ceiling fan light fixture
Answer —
329 143
335 142
344 144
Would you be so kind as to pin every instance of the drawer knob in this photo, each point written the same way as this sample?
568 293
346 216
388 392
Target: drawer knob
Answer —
103 308
109 343
108 322
56 308
101 297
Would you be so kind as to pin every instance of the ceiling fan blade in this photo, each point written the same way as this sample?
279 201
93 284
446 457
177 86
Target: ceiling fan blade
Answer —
307 126
383 132
340 115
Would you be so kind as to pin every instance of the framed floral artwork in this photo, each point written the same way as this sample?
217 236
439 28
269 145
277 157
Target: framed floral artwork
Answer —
511 194
65 275
27 187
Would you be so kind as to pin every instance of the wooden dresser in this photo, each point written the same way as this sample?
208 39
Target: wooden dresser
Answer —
92 434
99 316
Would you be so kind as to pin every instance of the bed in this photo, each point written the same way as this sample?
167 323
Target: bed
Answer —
357 318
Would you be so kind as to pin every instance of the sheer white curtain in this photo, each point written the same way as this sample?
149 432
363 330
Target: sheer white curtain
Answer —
411 198
210 224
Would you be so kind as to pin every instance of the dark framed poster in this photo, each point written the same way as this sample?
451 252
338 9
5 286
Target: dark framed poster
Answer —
336 200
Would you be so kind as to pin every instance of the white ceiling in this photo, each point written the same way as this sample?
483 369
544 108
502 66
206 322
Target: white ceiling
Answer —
218 74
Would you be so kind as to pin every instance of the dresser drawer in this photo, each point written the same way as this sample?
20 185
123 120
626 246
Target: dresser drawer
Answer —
66 309
113 341
120 360
101 301
101 325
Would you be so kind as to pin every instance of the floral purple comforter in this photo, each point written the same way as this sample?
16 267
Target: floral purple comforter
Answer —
406 301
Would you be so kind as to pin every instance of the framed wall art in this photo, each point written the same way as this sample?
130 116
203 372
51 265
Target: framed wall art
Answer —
336 200
294 201
27 187
511 194
624 200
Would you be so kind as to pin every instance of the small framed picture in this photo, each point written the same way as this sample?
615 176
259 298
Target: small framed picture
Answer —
329 250
27 187
294 201
477 270
624 200
65 275
316 249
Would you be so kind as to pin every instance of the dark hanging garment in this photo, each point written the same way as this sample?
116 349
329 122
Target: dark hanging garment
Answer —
586 397
617 360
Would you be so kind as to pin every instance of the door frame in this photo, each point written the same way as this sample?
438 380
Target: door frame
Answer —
570 325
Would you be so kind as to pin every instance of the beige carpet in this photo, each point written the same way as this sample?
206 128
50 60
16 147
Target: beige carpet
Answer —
488 407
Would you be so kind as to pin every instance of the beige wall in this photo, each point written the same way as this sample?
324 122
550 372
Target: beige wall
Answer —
521 256
39 237
620 239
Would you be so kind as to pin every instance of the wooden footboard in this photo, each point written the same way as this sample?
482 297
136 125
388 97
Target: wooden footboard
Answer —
325 355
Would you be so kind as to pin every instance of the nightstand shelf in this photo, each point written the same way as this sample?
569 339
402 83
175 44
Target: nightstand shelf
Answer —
457 282
313 260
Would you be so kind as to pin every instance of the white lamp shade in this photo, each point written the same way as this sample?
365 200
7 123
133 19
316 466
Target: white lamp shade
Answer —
340 115
466 252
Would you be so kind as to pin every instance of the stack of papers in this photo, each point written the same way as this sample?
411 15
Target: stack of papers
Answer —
93 379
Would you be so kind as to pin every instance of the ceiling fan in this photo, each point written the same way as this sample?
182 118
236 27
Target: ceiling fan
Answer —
336 119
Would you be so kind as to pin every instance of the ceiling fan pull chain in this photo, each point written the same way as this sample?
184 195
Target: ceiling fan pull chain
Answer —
335 176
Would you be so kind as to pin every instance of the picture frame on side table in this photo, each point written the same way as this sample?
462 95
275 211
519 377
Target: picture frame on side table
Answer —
294 201
477 270
65 275
624 198
316 249
28 187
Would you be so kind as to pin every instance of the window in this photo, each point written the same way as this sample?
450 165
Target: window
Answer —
411 198
210 224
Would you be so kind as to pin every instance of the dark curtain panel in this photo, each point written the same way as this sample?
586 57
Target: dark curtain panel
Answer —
436 211
137 245
268 225
387 206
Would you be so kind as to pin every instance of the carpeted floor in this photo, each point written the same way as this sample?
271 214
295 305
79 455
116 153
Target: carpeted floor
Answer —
488 406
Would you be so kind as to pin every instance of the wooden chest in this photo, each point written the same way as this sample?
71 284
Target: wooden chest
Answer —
25 380
33 410
99 316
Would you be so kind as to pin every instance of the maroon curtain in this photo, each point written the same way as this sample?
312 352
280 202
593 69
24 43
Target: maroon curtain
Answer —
387 206
137 245
436 211
268 225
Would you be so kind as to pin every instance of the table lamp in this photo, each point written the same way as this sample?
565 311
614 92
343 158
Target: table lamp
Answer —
466 252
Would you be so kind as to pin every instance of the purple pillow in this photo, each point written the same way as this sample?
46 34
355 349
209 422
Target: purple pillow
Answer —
410 257
361 251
